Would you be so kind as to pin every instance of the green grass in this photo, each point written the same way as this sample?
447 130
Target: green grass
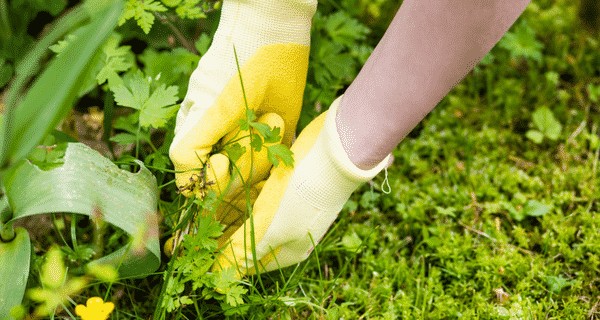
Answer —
482 222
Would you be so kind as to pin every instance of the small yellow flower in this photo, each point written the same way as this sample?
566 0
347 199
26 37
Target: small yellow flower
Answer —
95 309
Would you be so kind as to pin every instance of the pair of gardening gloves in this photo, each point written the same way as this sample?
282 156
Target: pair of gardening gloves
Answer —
292 207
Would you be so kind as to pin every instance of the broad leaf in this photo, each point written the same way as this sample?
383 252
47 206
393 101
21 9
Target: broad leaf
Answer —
14 270
88 183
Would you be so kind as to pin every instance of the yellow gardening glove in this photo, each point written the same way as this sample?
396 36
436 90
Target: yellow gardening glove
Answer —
272 39
297 205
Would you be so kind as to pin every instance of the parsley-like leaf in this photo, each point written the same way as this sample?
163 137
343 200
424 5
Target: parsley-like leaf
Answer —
155 110
282 152
158 109
139 10
235 151
344 29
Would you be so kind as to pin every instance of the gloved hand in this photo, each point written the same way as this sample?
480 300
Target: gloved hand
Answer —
272 39
298 203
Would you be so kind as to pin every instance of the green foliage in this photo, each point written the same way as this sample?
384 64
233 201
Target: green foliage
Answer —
522 43
480 223
155 109
546 125
141 11
191 271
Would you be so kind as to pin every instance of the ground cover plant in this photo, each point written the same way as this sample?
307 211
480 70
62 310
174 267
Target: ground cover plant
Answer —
488 212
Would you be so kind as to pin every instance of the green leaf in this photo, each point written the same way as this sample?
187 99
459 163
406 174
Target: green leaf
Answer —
535 136
140 88
203 44
26 125
351 242
250 115
536 209
87 183
14 270
139 10
235 151
556 284
124 139
125 98
105 273
171 3
544 120
190 9
273 135
155 112
344 29
593 92
263 129
282 152
256 143
522 43
53 269
368 199
516 214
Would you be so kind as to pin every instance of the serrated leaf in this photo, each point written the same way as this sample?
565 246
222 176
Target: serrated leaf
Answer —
157 117
234 296
125 98
113 66
146 21
282 152
235 151
124 139
171 3
154 6
273 135
140 87
156 110
344 29
256 143
162 96
262 128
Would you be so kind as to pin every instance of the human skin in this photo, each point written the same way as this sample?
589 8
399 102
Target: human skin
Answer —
429 47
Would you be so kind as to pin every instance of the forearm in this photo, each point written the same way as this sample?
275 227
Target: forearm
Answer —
428 49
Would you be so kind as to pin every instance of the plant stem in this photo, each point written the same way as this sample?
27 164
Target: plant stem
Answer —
186 44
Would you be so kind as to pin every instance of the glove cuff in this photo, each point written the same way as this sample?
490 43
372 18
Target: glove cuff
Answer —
333 144
326 177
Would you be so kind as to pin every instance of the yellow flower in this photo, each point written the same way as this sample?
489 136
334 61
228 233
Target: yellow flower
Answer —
95 309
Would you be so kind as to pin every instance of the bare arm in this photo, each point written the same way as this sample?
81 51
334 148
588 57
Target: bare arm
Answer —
430 46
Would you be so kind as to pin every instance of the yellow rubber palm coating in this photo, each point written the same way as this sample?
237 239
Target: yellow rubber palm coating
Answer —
274 79
298 203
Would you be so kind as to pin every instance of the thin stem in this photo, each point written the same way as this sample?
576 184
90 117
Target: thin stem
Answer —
74 233
186 44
